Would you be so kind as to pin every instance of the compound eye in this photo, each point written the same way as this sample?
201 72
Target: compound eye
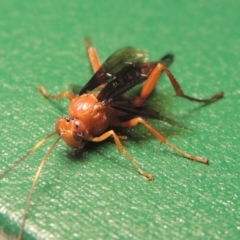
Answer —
78 130
77 127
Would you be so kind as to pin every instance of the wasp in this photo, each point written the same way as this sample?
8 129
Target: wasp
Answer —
100 106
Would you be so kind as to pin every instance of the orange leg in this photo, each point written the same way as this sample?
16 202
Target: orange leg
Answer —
92 54
120 147
135 121
152 80
58 97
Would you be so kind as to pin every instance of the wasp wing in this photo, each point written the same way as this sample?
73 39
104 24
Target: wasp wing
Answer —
113 65
126 106
128 77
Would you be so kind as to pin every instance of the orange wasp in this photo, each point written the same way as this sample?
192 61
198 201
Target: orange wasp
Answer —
100 106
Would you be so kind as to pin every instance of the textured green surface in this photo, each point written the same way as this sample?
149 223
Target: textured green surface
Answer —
98 194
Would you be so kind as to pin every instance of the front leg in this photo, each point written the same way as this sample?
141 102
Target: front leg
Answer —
58 97
120 147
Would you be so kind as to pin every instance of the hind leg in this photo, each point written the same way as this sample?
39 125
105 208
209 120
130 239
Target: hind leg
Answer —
153 78
92 55
135 121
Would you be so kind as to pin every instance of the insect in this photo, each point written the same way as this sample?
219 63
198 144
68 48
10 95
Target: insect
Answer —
100 106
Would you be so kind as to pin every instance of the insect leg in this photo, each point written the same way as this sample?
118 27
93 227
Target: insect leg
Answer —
152 80
92 54
135 121
120 147
148 86
58 97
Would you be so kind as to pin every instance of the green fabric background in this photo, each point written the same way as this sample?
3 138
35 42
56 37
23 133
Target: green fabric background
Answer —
97 194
